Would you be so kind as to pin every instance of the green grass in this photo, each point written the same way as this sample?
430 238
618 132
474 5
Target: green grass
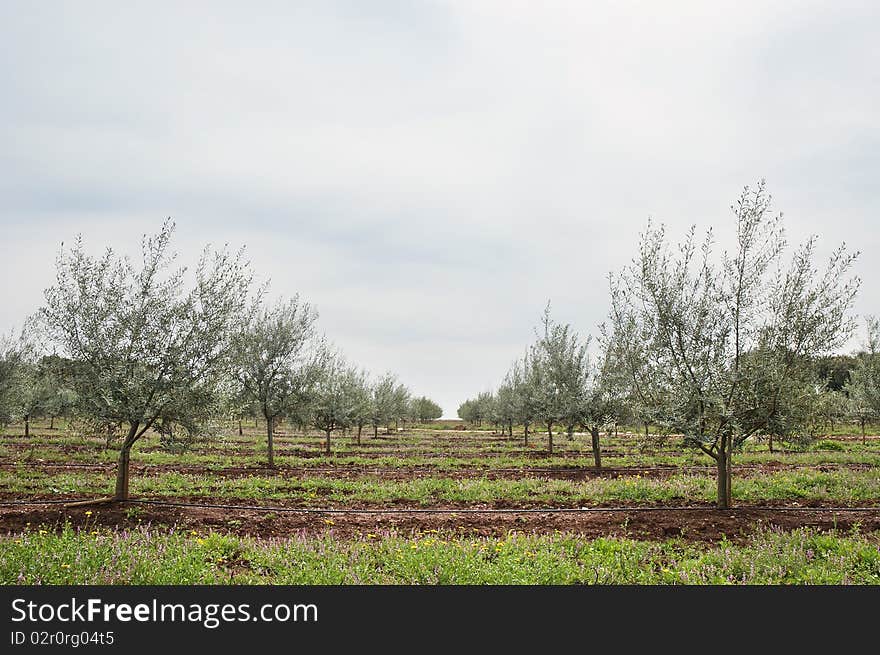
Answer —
149 556
833 486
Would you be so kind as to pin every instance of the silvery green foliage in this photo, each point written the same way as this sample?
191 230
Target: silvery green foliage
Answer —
147 349
385 395
278 359
479 409
720 346
362 399
561 373
14 352
337 398
424 409
863 388
401 403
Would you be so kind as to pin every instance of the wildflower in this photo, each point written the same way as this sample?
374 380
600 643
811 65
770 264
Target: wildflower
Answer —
95 533
193 532
43 532
65 566
89 513
329 521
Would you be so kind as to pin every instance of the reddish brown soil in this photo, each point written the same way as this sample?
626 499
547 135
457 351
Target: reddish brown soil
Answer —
703 525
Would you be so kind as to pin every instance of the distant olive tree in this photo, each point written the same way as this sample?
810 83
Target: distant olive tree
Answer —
562 371
14 356
337 398
384 398
361 393
424 409
863 388
148 348
277 361
724 339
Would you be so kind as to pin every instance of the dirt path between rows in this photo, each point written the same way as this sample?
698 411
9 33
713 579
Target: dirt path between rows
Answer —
703 524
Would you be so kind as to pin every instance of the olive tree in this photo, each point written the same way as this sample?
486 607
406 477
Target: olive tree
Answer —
14 355
277 360
424 409
863 388
148 347
724 337
561 372
361 401
383 401
337 398
525 384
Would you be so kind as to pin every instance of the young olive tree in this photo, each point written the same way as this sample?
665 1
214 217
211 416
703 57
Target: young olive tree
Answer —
148 349
863 388
401 405
561 370
362 401
337 398
425 410
14 358
525 384
505 405
382 402
277 361
724 340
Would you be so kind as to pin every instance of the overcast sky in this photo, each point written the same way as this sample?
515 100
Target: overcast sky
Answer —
430 174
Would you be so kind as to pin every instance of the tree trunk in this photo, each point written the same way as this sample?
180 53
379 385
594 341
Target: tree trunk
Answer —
327 443
771 442
270 433
375 432
240 431
597 455
864 439
122 466
646 430
51 422
722 461
360 427
526 433
27 425
550 438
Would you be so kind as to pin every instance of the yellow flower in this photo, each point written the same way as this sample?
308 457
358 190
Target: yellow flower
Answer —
65 566
89 513
95 533
329 521
193 532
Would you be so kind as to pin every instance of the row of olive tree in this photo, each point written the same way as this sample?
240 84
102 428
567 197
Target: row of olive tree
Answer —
284 369
716 347
556 383
151 346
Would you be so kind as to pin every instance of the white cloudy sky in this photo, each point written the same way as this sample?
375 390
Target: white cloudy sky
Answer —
429 174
